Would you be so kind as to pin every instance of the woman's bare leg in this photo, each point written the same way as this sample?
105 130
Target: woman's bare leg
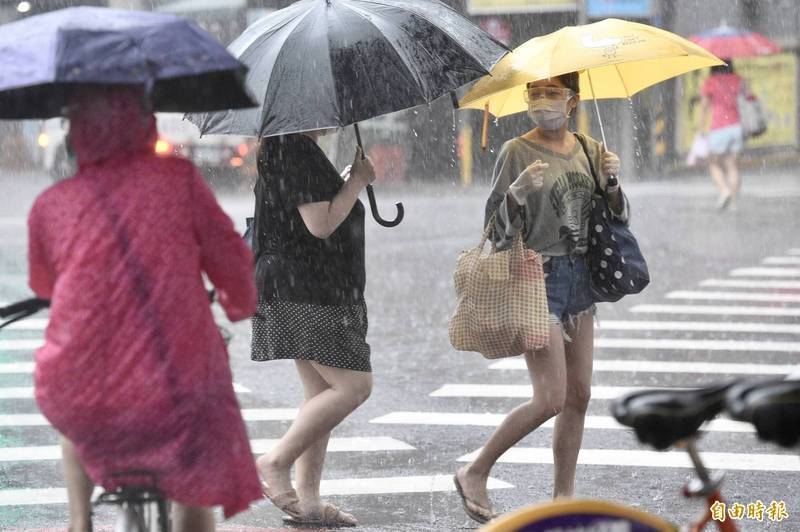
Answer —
568 432
548 375
309 464
192 518
317 417
732 173
79 488
718 175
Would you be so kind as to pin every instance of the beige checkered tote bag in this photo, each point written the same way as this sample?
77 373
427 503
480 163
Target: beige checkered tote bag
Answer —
502 301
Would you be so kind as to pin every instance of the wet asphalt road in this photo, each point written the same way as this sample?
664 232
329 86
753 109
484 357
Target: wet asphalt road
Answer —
410 296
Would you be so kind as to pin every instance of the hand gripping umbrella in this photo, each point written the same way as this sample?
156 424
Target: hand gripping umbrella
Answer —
615 59
321 64
47 56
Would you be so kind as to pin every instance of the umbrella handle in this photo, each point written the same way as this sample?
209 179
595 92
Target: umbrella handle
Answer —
374 208
373 205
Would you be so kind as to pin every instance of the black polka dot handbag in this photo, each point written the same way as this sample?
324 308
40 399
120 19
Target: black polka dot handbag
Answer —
616 264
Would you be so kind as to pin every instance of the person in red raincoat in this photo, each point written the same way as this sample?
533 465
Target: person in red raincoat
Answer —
134 373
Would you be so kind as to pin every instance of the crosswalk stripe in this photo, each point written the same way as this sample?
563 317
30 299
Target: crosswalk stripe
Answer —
705 326
249 414
26 392
13 220
779 261
525 390
335 445
669 366
345 486
29 324
716 310
17 367
794 251
492 420
697 345
766 272
734 296
748 283
22 392
21 344
638 458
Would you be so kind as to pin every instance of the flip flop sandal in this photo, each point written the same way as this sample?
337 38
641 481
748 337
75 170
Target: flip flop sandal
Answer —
480 517
288 501
331 517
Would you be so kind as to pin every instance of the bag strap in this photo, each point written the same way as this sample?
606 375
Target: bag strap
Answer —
582 141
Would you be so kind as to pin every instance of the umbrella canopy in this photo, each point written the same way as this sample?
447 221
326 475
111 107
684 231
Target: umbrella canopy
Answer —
730 43
45 56
330 63
615 58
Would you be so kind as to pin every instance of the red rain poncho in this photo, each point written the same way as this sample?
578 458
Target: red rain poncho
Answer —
134 371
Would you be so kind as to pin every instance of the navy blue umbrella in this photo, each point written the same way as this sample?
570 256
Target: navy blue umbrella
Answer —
321 64
184 68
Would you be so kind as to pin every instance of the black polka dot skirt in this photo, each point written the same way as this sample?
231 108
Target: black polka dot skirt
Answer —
331 335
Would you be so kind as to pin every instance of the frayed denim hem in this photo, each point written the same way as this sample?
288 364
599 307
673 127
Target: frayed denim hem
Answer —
571 321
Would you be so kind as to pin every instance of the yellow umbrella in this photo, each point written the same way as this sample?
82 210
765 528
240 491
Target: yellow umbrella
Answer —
615 58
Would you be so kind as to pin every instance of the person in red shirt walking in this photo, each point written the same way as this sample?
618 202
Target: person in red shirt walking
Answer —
724 131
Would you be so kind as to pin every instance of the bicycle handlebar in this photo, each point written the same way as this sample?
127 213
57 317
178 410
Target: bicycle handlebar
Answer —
31 305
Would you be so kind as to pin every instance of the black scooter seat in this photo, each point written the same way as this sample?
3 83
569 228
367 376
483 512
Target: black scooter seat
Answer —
773 406
662 418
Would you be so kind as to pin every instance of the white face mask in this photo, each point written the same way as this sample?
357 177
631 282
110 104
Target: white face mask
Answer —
548 114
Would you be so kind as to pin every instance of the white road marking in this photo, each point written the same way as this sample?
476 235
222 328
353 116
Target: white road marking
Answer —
794 251
21 344
525 390
345 486
696 345
249 414
335 445
781 261
668 366
735 296
748 283
637 458
17 367
705 326
28 324
491 420
23 392
27 392
766 272
716 310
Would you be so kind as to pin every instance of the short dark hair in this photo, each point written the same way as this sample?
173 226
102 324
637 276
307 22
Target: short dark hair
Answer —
723 69
571 81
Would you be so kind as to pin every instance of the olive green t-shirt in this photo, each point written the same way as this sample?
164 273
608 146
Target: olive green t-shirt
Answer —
556 216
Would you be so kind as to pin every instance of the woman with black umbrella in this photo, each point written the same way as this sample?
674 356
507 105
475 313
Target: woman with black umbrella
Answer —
309 247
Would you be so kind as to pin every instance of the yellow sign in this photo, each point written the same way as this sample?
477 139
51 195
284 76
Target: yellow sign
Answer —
492 7
773 78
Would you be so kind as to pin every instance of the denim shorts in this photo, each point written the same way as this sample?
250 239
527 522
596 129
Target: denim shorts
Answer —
568 291
728 139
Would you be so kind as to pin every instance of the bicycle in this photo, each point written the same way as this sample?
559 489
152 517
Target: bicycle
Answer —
141 506
663 419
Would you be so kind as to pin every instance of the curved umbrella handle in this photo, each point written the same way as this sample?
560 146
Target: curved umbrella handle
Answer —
373 205
374 208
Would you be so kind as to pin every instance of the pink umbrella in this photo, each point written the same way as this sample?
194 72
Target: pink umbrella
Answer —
729 43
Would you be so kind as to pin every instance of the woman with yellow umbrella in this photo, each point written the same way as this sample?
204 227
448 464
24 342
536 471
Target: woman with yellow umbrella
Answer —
543 184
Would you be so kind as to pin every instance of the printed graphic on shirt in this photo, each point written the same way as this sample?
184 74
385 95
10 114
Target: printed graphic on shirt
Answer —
571 198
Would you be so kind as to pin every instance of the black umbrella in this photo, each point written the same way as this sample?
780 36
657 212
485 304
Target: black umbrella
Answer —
321 64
